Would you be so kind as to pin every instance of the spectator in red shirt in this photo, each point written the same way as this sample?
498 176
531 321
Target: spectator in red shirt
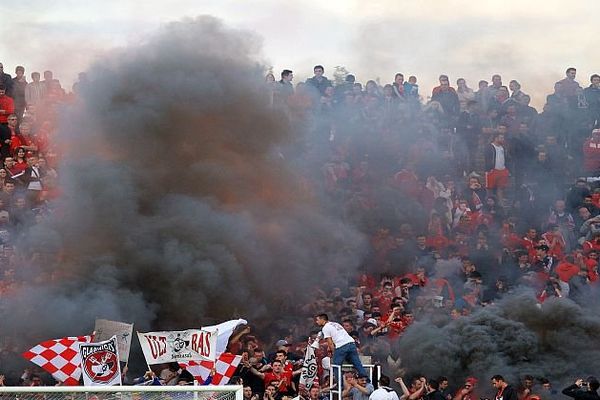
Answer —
7 106
9 166
27 140
385 295
277 373
555 241
20 160
591 263
418 278
592 244
467 391
567 269
530 241
393 321
591 153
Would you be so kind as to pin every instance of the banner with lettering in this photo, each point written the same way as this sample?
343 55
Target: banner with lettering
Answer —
179 346
100 363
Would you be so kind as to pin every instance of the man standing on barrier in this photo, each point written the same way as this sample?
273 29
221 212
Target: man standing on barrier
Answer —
340 344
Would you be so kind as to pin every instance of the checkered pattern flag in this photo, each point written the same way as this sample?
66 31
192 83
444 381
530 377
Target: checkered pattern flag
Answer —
60 357
226 364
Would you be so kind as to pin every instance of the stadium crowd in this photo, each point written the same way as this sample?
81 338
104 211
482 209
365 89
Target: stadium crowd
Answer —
464 197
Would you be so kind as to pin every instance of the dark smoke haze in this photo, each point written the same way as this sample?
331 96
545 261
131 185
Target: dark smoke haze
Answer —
513 338
174 210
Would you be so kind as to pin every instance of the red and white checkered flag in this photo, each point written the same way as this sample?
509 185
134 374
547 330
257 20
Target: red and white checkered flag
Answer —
60 357
226 364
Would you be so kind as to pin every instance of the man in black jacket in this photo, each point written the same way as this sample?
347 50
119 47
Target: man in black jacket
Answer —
435 393
468 129
592 96
504 390
318 82
447 97
579 391
6 80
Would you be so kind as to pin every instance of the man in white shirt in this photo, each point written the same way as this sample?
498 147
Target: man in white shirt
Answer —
384 391
341 344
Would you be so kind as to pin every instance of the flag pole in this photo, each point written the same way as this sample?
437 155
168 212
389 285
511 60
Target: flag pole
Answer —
148 365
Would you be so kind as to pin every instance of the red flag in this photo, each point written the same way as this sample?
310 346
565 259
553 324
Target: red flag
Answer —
225 365
60 357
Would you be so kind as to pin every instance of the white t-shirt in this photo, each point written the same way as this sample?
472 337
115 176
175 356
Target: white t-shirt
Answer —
383 394
337 333
35 174
500 161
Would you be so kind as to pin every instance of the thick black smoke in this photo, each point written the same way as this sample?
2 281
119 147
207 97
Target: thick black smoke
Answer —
515 337
174 211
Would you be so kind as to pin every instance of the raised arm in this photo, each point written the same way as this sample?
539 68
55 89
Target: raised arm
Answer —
405 391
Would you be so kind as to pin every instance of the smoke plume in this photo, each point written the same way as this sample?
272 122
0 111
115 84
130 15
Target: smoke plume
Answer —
515 337
175 211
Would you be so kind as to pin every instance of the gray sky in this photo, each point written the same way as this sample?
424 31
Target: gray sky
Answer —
532 41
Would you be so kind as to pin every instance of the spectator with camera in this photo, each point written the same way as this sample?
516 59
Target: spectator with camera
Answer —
583 390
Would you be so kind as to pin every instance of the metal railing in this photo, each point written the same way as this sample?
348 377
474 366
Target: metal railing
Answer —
335 375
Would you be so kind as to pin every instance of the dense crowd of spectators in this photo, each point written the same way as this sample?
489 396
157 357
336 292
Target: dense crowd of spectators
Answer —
464 197
30 157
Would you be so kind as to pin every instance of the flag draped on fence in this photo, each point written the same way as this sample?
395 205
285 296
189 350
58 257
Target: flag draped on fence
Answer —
225 367
60 357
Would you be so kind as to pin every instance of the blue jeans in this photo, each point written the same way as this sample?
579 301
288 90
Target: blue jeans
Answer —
348 352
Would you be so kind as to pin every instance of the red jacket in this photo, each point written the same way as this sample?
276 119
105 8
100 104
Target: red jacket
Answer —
591 155
6 104
566 271
590 245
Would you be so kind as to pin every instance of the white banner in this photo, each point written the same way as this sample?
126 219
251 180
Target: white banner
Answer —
106 329
169 346
225 330
100 363
309 368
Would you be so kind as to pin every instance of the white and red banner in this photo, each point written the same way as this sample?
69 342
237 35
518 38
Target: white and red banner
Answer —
106 329
100 363
59 357
224 331
225 367
179 346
